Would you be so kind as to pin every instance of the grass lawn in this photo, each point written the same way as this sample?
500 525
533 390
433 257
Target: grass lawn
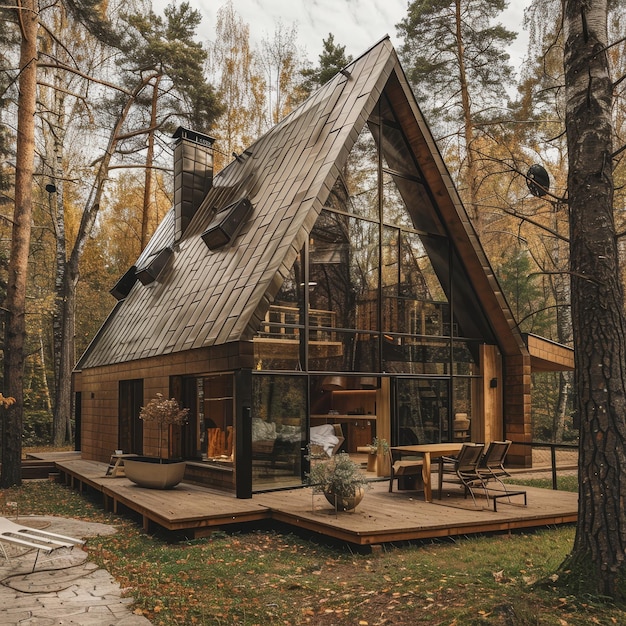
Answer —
269 577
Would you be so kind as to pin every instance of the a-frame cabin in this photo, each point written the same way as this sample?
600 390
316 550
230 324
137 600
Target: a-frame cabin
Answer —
328 275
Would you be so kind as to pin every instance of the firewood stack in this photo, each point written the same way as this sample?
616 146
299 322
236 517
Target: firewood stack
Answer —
219 443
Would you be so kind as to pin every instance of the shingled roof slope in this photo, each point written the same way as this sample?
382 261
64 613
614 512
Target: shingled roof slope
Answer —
206 297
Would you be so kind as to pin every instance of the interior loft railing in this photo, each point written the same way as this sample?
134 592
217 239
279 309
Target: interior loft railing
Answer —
283 322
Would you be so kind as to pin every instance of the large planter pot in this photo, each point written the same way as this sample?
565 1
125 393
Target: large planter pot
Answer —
343 503
383 464
154 473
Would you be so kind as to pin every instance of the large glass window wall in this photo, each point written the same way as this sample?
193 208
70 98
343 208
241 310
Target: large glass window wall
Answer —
279 434
378 289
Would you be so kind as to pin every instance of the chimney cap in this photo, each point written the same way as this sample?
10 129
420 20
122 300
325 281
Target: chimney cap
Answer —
193 135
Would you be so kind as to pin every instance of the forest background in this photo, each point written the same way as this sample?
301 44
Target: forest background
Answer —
114 80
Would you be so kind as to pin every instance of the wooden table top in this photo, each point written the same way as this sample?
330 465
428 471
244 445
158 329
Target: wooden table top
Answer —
431 448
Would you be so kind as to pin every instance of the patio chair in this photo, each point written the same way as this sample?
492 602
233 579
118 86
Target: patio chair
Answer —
405 467
462 469
491 466
27 537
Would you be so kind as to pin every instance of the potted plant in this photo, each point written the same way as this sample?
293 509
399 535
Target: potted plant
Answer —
380 447
158 473
340 480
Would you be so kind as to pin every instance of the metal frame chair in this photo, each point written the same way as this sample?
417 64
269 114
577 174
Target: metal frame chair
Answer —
27 537
463 469
491 466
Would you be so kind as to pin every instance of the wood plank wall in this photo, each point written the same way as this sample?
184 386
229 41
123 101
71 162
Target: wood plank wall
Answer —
100 391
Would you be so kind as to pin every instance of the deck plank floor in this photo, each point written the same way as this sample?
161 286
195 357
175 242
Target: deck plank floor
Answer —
380 518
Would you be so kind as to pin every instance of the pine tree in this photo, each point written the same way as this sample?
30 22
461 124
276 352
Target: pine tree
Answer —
332 59
597 562
457 64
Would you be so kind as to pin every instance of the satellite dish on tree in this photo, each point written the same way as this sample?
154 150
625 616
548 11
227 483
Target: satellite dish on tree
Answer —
538 180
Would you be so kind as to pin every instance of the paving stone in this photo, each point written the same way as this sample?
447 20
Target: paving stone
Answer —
66 591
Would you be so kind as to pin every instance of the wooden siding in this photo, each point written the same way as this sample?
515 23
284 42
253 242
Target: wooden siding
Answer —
517 423
99 424
548 356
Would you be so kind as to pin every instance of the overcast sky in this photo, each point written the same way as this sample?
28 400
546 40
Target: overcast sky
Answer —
356 24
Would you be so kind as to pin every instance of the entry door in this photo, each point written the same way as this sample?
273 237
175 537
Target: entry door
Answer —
130 426
421 410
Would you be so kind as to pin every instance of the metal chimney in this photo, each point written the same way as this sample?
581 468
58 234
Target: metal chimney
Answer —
193 174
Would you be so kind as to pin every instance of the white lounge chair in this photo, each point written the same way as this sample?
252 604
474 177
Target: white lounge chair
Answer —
27 537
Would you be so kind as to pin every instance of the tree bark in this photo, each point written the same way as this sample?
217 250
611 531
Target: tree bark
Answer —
147 192
468 125
597 562
13 422
66 313
62 327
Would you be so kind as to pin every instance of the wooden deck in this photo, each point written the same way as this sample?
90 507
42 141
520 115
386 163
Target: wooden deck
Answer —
380 518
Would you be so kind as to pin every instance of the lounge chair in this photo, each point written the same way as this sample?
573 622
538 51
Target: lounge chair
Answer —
26 537
491 468
462 469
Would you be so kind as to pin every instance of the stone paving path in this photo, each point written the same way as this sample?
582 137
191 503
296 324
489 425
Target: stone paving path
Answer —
65 589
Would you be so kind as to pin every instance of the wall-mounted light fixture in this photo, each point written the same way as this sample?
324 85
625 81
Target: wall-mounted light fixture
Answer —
493 383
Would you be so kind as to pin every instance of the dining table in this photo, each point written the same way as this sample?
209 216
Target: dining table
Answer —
428 451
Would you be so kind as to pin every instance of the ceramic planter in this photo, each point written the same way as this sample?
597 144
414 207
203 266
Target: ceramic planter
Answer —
154 473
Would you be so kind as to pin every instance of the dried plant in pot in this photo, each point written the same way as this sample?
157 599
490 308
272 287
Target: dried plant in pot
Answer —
340 480
383 460
158 473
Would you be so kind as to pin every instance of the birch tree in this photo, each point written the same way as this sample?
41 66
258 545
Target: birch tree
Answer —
597 563
235 68
281 63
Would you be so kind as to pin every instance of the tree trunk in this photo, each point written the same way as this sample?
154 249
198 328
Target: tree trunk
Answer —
62 326
560 411
13 422
62 425
597 562
147 192
562 295
44 375
468 126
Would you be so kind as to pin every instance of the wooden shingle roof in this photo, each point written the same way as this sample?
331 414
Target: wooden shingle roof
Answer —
208 297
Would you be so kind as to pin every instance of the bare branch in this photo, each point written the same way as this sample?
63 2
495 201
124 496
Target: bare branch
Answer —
139 166
525 218
67 68
66 91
